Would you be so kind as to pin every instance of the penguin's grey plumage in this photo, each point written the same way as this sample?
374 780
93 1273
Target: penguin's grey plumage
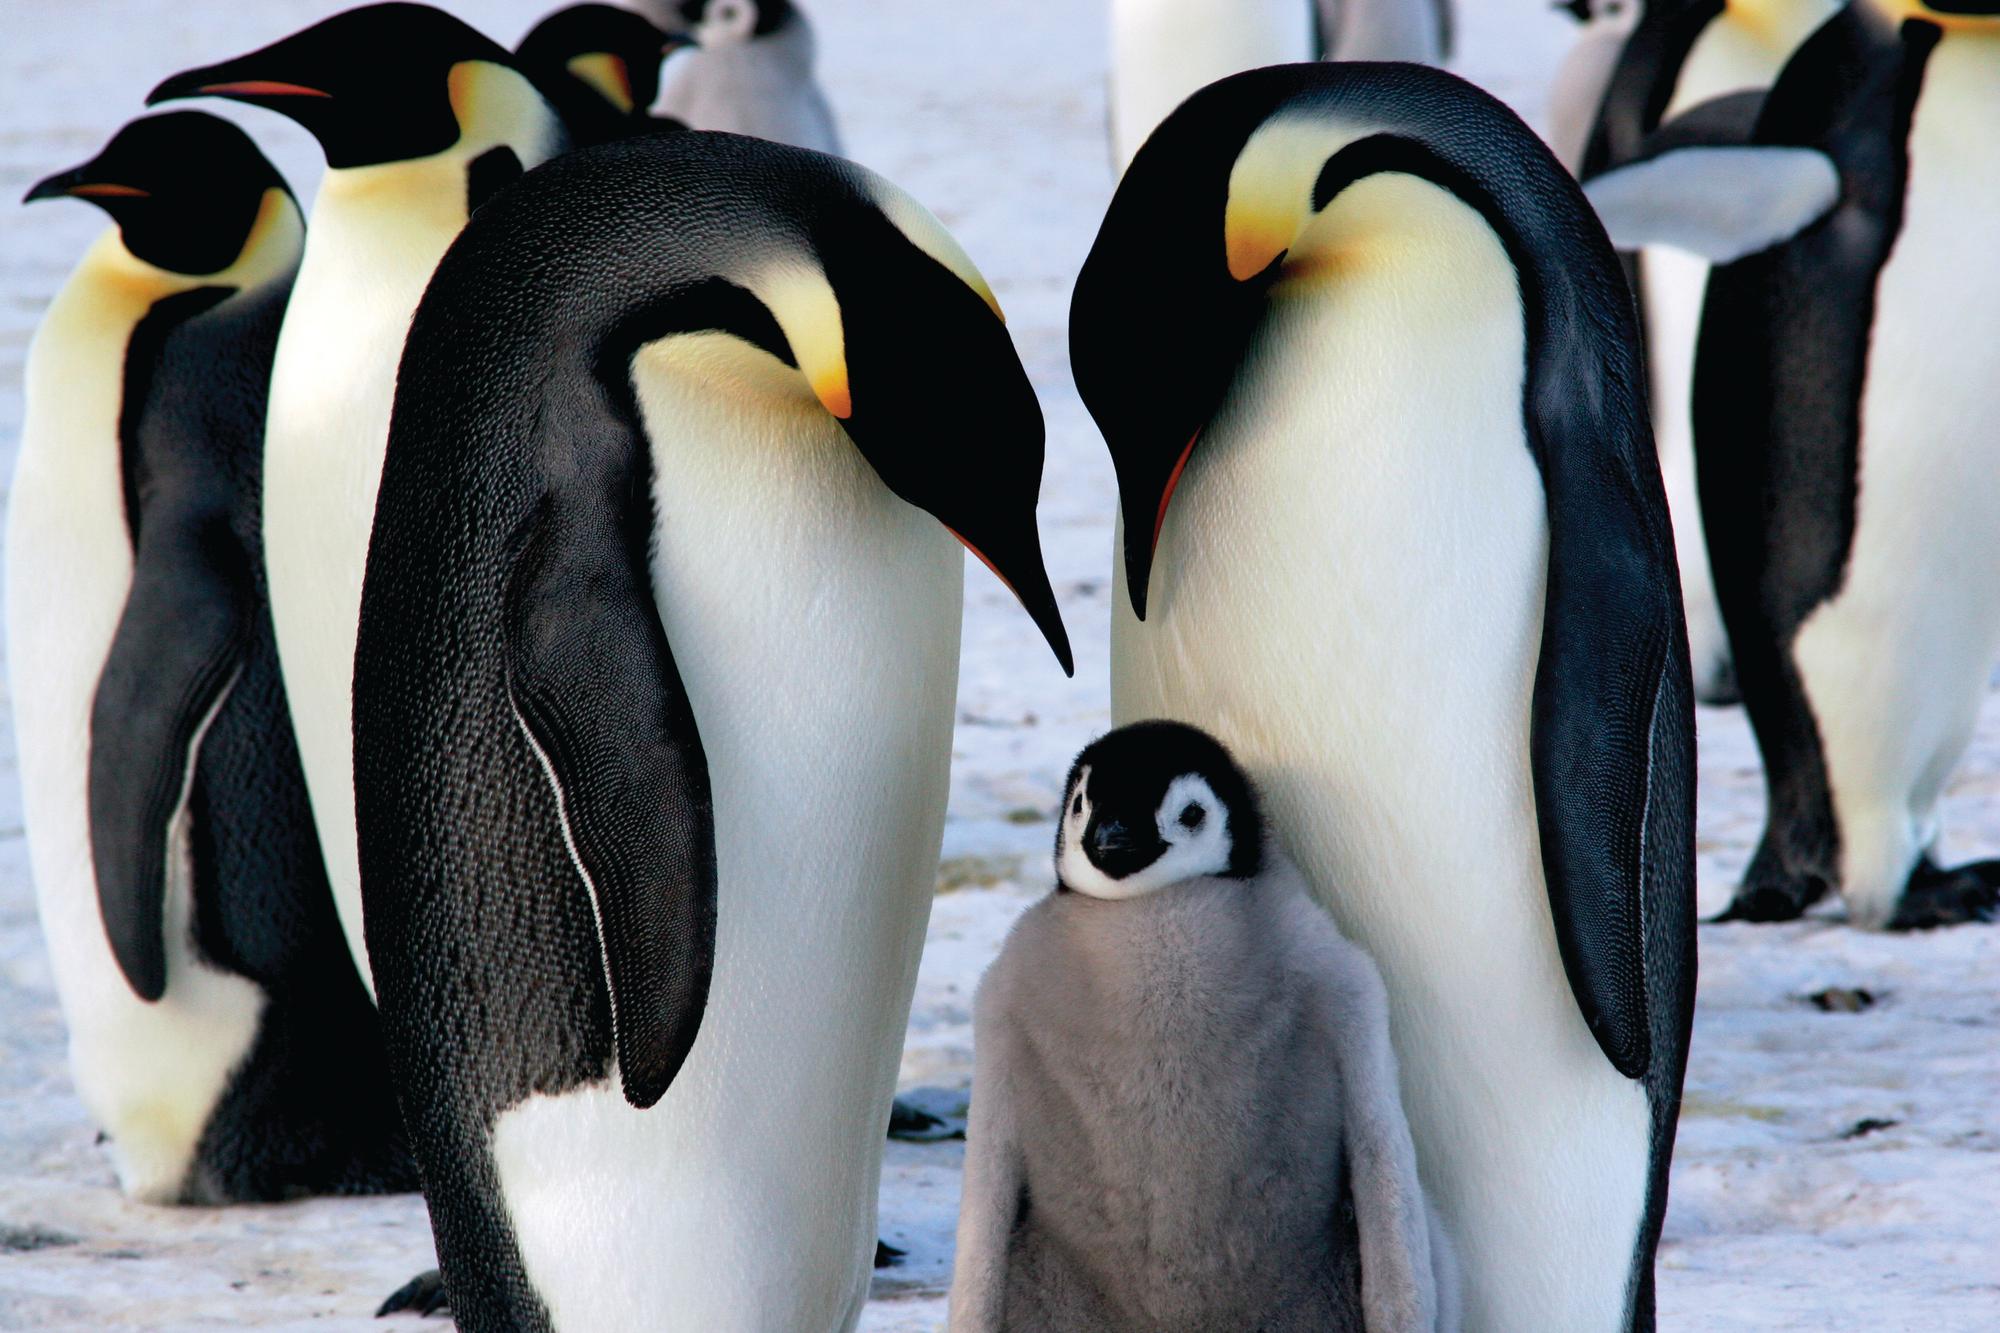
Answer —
751 72
1185 1112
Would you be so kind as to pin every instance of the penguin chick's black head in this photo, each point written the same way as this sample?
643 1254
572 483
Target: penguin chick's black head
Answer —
1152 804
185 189
736 19
375 84
603 52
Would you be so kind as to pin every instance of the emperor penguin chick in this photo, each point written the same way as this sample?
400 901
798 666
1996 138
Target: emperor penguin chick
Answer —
1186 1113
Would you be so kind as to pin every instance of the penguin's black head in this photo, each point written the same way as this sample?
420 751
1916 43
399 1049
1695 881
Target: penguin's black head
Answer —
717 22
382 83
598 54
185 189
1153 804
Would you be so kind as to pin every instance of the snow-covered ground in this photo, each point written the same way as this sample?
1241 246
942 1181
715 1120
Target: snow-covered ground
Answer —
1786 1213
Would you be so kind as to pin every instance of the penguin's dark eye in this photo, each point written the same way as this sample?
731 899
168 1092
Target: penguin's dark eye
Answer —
1192 816
1076 806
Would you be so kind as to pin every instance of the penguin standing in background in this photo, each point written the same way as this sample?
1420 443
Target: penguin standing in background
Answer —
653 703
1172 1030
751 72
1844 402
1162 50
599 66
1576 94
421 119
218 1033
1393 531
1684 53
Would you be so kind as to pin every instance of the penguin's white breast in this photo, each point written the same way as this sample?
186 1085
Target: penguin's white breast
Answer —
374 240
149 1074
814 618
1349 592
1896 662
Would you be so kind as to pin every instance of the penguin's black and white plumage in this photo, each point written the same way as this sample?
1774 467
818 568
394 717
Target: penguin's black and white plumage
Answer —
1843 406
1175 1029
1684 53
1393 530
421 119
1163 50
1576 93
751 72
599 66
653 703
218 1033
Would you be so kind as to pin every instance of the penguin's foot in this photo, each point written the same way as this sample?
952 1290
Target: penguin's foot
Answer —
1936 897
913 1123
887 1255
422 1294
1773 900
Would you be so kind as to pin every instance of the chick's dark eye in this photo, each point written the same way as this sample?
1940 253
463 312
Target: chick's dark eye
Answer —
1076 806
1192 815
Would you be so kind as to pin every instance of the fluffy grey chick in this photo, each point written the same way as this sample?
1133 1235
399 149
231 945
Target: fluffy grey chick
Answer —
751 71
1185 1113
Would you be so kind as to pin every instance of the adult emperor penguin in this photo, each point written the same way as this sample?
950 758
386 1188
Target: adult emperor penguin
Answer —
599 66
1844 408
751 72
1173 1029
218 1034
1162 50
654 697
1683 53
421 119
1392 530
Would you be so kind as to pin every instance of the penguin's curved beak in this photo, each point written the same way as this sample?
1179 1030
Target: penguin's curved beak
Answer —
78 183
1117 852
226 80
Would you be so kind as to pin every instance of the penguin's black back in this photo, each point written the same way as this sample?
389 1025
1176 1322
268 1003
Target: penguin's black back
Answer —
309 1110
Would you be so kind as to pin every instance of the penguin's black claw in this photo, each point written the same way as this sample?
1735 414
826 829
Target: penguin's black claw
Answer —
887 1255
912 1123
1960 896
422 1295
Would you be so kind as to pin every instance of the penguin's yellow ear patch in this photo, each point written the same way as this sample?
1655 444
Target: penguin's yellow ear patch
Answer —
609 75
1918 9
802 302
922 229
1270 189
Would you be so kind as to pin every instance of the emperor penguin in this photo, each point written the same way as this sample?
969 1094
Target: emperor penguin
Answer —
218 1033
599 66
421 119
1844 407
1187 1113
1392 529
751 72
1576 94
1684 53
1162 50
653 705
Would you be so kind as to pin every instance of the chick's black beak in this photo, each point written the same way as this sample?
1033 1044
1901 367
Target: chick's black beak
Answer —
1116 851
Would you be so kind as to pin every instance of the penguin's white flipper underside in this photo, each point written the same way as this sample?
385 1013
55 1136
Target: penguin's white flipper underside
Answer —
630 778
176 653
1720 202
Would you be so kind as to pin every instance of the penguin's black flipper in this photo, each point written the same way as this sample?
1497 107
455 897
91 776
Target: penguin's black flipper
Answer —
596 689
175 653
421 1295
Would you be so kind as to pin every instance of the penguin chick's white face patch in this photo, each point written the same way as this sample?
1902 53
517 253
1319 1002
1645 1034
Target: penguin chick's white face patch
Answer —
1192 830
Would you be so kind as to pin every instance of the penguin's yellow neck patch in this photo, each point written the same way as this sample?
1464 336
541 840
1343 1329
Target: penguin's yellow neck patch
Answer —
497 106
1271 188
609 75
1898 10
801 300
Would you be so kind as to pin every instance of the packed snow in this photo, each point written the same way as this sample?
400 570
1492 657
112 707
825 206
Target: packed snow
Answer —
1839 1157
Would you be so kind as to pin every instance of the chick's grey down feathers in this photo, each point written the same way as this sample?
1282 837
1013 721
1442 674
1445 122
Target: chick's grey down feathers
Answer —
1187 1118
